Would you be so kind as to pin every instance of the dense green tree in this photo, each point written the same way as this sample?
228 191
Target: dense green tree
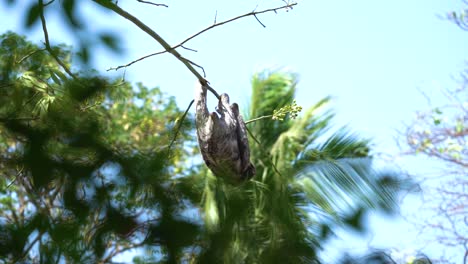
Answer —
84 161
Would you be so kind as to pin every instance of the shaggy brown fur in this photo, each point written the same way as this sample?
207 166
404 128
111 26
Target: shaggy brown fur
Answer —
222 138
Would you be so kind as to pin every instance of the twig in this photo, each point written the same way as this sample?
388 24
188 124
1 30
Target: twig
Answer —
252 13
267 154
137 60
29 55
194 50
258 118
26 251
10 184
196 65
179 126
150 3
259 21
48 3
46 39
14 180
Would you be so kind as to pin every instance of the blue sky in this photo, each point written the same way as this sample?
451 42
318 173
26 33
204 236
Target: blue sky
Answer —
373 57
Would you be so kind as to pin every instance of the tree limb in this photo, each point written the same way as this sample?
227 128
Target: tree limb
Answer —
151 3
181 121
46 38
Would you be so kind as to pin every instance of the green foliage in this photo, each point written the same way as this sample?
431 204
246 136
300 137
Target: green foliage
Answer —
292 109
84 164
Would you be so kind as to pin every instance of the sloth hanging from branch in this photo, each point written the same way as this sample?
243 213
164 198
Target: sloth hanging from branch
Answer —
222 137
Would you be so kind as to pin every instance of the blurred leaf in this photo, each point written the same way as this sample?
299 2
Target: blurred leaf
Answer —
84 54
111 41
33 14
69 7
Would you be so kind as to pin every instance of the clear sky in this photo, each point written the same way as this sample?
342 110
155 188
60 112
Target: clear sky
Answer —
373 57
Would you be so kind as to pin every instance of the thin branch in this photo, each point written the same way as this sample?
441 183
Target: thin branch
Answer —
258 118
266 154
259 21
150 3
194 50
46 39
196 65
180 125
137 60
26 251
10 184
48 3
14 180
252 13
29 55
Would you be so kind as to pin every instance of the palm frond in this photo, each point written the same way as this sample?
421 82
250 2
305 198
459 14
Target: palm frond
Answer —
270 91
339 145
346 185
301 133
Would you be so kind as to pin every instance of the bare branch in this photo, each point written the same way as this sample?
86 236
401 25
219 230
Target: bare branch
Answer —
137 60
181 121
267 155
46 39
252 13
196 65
150 3
259 21
194 50
48 3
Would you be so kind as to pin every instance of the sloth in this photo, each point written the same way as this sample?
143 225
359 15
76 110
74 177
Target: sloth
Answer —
222 137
